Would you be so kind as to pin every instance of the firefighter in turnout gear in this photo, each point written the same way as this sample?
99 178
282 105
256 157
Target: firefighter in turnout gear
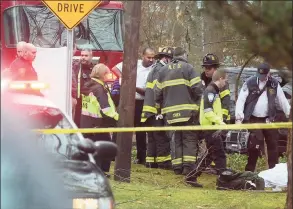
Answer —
98 108
179 90
257 104
158 147
211 113
211 64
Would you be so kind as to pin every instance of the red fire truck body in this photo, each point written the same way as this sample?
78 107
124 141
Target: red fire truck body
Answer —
31 21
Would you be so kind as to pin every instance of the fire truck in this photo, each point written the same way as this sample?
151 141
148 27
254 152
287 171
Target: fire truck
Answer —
31 21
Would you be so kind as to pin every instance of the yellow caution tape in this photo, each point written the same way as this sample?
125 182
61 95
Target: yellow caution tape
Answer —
286 125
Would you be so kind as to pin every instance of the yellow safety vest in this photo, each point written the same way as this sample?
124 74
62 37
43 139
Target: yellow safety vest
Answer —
211 117
91 106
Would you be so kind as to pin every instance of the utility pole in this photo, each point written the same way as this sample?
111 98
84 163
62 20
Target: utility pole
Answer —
127 95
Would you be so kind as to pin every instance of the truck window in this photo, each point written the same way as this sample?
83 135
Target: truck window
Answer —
101 30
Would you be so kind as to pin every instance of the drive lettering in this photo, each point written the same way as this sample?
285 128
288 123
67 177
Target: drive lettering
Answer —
65 7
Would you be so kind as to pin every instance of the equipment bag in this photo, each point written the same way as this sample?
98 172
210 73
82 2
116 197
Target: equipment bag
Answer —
232 180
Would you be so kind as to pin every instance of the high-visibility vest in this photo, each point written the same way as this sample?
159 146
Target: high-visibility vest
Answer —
91 106
211 116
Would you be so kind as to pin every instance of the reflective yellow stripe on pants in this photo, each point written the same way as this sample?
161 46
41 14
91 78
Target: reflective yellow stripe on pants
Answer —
189 158
163 159
177 161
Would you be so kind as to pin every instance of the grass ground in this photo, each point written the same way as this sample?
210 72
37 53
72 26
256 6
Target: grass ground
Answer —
156 188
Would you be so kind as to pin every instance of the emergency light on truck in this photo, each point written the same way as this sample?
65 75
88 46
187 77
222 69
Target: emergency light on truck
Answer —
23 85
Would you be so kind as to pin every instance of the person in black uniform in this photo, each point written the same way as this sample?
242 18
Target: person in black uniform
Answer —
179 90
158 146
81 74
257 104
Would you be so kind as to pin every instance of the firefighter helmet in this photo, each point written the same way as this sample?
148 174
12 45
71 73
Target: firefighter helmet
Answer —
165 51
210 60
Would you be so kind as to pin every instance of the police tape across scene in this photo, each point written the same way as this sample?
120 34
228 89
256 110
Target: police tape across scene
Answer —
286 125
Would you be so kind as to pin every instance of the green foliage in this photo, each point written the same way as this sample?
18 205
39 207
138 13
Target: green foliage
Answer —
267 26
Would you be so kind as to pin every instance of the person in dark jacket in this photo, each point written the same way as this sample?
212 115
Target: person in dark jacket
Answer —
158 146
257 103
81 74
22 68
179 90
98 108
211 64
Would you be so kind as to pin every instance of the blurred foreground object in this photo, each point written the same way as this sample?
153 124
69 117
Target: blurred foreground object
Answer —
28 180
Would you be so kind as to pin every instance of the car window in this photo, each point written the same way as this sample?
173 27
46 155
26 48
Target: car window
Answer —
60 145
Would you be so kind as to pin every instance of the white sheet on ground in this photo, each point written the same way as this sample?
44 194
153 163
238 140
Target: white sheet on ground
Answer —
275 177
51 66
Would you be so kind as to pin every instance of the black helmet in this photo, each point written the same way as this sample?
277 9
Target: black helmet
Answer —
165 51
210 60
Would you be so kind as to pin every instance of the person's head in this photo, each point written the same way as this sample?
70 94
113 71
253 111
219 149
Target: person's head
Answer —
29 52
148 55
19 48
210 63
180 52
165 54
100 71
220 78
263 71
86 56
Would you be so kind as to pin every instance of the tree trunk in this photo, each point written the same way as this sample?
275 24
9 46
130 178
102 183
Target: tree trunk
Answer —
289 166
127 96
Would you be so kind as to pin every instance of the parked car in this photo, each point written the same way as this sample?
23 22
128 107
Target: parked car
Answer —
73 154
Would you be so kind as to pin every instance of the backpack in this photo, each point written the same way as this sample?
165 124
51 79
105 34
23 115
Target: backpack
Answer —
232 180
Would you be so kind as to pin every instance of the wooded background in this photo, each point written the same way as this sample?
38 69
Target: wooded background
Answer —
233 30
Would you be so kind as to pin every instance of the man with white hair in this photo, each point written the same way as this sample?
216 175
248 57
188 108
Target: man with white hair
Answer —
22 68
20 48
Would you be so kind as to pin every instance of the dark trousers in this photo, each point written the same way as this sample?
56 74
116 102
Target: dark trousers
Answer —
256 143
158 146
215 152
77 116
140 136
90 122
185 148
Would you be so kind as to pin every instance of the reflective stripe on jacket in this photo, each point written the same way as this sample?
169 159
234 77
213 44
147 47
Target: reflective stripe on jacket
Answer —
179 90
224 96
97 101
150 107
210 106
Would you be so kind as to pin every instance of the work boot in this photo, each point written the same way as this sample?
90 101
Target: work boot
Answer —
151 165
178 171
193 182
165 165
186 170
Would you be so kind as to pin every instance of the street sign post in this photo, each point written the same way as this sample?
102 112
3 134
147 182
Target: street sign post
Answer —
70 13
